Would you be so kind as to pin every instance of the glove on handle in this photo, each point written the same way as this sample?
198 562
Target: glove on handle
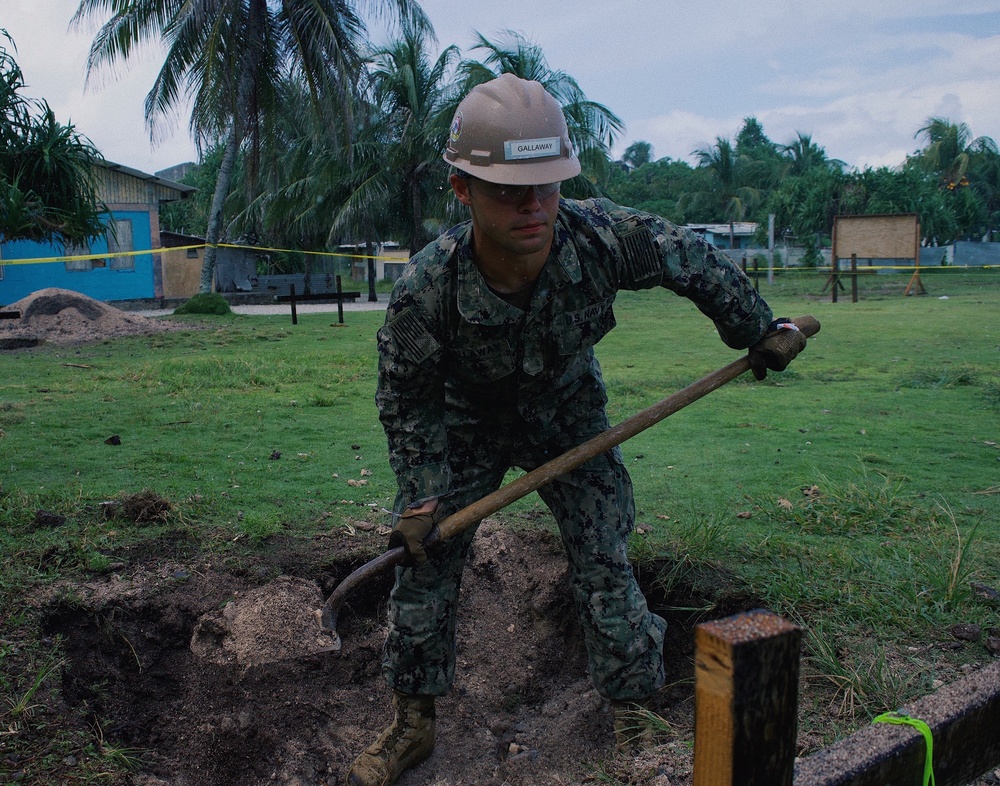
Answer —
411 531
777 348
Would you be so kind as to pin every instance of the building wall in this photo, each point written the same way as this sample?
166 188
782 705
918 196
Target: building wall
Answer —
965 253
181 272
102 282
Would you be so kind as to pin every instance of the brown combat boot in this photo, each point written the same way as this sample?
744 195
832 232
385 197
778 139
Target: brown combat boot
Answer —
635 725
407 742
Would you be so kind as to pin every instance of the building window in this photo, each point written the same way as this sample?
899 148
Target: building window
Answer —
78 265
120 240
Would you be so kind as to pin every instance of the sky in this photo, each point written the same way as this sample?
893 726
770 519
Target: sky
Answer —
860 77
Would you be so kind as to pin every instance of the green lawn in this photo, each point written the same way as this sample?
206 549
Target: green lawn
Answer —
857 493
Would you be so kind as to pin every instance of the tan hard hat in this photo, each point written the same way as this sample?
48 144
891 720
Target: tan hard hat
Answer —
513 132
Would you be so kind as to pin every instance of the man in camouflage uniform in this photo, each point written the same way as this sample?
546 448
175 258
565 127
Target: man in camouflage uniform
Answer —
487 362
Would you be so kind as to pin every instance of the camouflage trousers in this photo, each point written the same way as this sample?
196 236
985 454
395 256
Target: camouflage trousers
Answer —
595 510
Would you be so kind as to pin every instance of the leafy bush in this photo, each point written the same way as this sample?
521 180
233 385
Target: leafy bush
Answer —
205 303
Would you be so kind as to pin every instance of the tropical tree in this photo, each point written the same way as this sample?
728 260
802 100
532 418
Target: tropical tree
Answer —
948 151
48 186
592 126
907 190
637 154
731 196
190 216
230 56
806 200
960 162
805 205
803 155
985 168
761 163
304 169
414 100
394 175
752 142
657 187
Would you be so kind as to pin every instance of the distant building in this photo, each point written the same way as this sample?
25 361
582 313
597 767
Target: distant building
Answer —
132 268
719 234
390 260
177 172
181 261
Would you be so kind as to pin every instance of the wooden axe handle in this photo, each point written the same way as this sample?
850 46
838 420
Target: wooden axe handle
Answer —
595 446
538 477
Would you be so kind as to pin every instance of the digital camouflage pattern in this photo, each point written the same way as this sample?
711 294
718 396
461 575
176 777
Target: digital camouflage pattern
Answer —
470 385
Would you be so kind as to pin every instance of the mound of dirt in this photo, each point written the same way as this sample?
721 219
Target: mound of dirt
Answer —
267 624
210 675
61 316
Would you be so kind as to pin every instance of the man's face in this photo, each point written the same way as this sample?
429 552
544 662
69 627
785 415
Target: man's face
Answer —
509 220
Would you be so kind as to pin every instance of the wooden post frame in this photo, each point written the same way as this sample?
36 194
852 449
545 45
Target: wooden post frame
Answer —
964 718
746 700
890 236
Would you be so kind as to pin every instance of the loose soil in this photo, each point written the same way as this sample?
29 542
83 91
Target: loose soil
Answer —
218 678
61 316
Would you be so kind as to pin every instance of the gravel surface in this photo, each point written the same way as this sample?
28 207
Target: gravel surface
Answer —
362 304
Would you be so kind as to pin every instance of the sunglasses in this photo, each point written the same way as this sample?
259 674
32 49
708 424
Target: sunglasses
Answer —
513 195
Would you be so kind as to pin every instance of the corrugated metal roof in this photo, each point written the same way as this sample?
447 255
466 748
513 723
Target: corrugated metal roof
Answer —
154 179
739 228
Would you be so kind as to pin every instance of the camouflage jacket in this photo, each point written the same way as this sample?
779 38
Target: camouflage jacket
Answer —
452 349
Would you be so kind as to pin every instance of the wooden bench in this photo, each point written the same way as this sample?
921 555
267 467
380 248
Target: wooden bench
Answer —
318 297
339 296
10 314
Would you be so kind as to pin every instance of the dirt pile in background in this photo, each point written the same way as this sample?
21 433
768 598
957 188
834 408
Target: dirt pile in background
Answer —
61 316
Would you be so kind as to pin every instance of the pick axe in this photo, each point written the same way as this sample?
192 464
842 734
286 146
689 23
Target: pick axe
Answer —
538 477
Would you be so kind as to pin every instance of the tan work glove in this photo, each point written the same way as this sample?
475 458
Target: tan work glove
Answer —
778 347
412 529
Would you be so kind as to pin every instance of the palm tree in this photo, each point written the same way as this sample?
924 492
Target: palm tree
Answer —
731 195
637 154
965 169
230 55
949 150
385 188
412 98
592 126
804 155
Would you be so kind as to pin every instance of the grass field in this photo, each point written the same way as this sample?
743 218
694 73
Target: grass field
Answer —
857 493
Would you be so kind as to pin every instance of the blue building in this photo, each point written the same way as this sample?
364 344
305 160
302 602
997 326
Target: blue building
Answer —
125 266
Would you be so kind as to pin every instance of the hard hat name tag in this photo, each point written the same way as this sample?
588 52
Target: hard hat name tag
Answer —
531 148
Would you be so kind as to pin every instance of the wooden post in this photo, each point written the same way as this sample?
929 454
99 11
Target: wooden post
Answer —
340 302
746 698
291 299
854 278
